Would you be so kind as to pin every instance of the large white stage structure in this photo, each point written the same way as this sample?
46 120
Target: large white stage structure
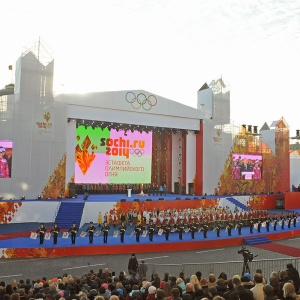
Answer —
132 136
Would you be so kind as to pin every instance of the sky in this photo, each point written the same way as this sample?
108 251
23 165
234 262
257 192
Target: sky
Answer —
166 47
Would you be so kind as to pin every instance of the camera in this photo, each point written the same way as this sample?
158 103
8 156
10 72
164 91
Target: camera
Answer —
247 255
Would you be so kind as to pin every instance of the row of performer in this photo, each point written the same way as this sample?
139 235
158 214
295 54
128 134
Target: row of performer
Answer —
151 229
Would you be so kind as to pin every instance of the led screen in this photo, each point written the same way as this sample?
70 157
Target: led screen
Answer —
112 156
247 166
5 158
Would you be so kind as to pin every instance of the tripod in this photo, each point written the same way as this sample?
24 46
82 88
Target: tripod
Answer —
246 268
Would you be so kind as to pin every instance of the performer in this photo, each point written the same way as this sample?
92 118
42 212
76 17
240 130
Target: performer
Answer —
167 230
73 231
122 230
229 226
282 220
99 219
105 230
294 218
275 221
138 229
268 222
55 231
289 219
205 228
91 228
251 224
259 222
218 228
151 230
193 228
239 226
180 228
41 231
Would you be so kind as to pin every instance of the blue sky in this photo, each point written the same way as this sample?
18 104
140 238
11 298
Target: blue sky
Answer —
170 48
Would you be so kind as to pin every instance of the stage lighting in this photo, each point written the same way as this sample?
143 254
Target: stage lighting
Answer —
23 198
39 197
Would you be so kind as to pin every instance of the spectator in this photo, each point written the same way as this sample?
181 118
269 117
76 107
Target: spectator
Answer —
221 287
211 280
194 280
176 294
240 292
181 284
289 292
212 292
274 282
293 275
167 290
190 289
269 292
230 290
151 293
133 263
283 278
257 290
247 281
160 294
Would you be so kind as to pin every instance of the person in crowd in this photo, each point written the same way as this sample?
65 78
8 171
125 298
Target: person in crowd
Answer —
257 290
289 292
151 230
269 292
138 229
221 287
230 290
240 292
133 263
142 269
293 275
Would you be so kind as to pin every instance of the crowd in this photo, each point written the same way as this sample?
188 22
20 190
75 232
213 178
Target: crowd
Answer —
139 285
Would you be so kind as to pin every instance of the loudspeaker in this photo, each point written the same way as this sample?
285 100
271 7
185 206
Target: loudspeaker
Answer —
149 199
187 198
196 198
161 199
72 191
123 200
178 198
136 200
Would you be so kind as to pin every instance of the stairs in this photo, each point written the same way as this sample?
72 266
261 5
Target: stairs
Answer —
257 240
68 213
237 203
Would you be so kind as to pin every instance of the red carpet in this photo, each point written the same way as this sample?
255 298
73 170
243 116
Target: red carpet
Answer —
287 250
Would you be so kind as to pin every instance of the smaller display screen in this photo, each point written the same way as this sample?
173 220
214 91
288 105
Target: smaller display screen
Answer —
247 166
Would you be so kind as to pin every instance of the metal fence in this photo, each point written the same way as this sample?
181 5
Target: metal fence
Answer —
231 268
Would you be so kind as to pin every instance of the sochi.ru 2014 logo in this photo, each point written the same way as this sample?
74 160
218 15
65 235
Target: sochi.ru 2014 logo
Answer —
141 100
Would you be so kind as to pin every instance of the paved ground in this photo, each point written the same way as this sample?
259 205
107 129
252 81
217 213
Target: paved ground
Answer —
77 266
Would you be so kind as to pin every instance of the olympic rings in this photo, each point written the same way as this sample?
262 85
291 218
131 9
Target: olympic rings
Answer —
137 152
140 100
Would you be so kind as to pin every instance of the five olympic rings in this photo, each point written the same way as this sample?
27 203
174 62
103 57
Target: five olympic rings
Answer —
137 152
140 100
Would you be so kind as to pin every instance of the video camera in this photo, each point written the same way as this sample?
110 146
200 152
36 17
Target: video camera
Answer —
247 255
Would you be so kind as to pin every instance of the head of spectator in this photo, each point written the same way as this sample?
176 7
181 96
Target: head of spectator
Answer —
203 283
289 291
189 288
223 275
218 298
186 297
283 275
268 290
199 275
258 278
212 292
15 296
211 280
114 297
160 294
194 280
175 293
246 282
167 289
166 277
181 284
236 282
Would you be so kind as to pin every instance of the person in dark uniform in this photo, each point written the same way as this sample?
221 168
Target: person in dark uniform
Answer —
122 230
251 224
151 230
55 230
289 219
167 230
105 230
229 226
91 228
275 221
282 220
294 218
259 223
73 231
138 229
240 226
133 263
41 231
205 228
180 229
193 229
218 228
268 222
